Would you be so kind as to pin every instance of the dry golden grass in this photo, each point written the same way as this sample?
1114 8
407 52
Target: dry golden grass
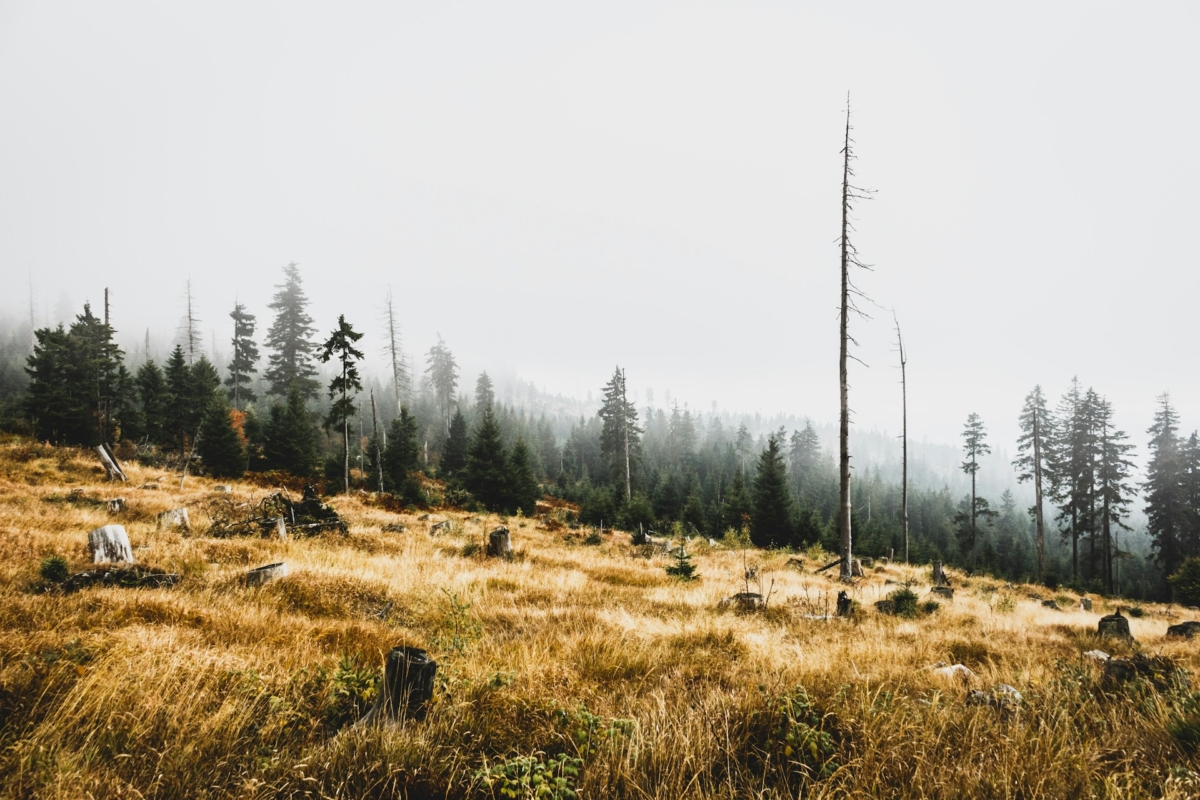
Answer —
211 689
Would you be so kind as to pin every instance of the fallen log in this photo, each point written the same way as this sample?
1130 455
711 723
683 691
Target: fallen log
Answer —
827 566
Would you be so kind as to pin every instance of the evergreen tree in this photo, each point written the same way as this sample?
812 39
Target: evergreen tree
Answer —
771 519
1074 467
1114 489
289 340
974 445
487 476
443 377
738 507
619 444
245 357
1035 449
805 459
1164 489
401 458
341 345
290 437
58 416
220 447
179 417
485 393
454 453
523 486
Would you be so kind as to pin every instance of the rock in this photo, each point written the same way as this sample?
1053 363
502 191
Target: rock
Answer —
116 505
1085 604
394 527
1160 671
110 543
223 488
885 606
954 671
943 591
423 518
1050 604
1184 629
499 543
260 575
1096 655
1114 625
175 518
1002 697
439 527
744 601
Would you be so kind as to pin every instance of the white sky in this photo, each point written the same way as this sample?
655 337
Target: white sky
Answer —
558 190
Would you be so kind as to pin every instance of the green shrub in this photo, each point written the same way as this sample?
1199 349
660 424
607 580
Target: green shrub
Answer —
352 690
55 569
1136 611
1185 584
905 601
930 606
471 549
532 777
593 538
683 568
790 732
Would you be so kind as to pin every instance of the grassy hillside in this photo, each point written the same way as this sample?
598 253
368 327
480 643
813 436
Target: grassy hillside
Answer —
571 650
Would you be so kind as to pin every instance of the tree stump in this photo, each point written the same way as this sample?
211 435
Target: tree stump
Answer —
1114 625
223 488
939 575
1085 604
439 528
943 591
1184 629
407 686
885 606
844 604
111 467
856 568
279 528
175 518
260 575
110 543
499 543
744 601
116 505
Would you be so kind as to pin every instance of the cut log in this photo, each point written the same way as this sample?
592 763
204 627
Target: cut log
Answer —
828 566
110 543
939 575
116 505
499 543
111 467
407 687
1114 625
175 518
260 575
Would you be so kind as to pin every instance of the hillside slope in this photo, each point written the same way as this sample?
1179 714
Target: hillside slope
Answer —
570 650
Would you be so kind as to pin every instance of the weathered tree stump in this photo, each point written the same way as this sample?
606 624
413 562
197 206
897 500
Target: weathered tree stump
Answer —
1051 604
1184 629
110 543
260 575
499 543
395 527
223 488
744 601
1114 625
939 575
116 505
438 528
856 568
844 604
279 528
943 591
407 686
111 467
175 518
1085 604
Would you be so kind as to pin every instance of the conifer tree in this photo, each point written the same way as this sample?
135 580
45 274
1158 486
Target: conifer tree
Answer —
341 346
443 376
738 506
804 460
1074 469
245 357
1164 490
178 415
290 340
1033 462
1113 485
523 486
485 392
974 445
290 437
619 444
771 519
487 476
454 453
220 447
50 402
401 458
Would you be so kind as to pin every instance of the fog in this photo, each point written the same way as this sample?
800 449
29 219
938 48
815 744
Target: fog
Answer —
557 190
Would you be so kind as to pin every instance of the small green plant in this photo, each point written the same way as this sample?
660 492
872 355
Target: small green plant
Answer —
905 602
791 733
471 549
55 569
929 607
591 731
1185 584
535 777
1136 611
593 539
1004 604
460 628
683 568
352 689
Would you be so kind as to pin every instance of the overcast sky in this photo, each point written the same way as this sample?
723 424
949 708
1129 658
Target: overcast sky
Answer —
557 190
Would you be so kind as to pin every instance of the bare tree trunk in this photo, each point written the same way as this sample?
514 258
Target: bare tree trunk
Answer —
903 435
844 533
345 434
375 428
625 417
394 351
1037 498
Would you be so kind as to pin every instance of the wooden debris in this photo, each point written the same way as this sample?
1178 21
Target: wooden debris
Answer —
111 467
260 575
394 527
744 601
116 505
110 544
126 577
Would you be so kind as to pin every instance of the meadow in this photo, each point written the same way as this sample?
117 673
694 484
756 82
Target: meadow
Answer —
578 667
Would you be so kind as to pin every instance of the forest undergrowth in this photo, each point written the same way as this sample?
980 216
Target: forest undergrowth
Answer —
578 667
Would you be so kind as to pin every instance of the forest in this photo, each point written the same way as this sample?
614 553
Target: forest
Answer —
294 401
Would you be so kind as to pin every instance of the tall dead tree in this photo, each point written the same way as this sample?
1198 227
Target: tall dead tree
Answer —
190 323
849 253
903 434
376 442
400 376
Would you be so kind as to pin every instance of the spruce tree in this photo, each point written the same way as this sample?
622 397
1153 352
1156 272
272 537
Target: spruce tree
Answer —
178 414
290 437
524 491
738 507
245 357
153 396
619 444
771 519
1035 448
50 401
1164 490
401 458
974 445
805 459
454 453
341 346
290 340
485 392
443 376
1113 486
487 476
220 447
